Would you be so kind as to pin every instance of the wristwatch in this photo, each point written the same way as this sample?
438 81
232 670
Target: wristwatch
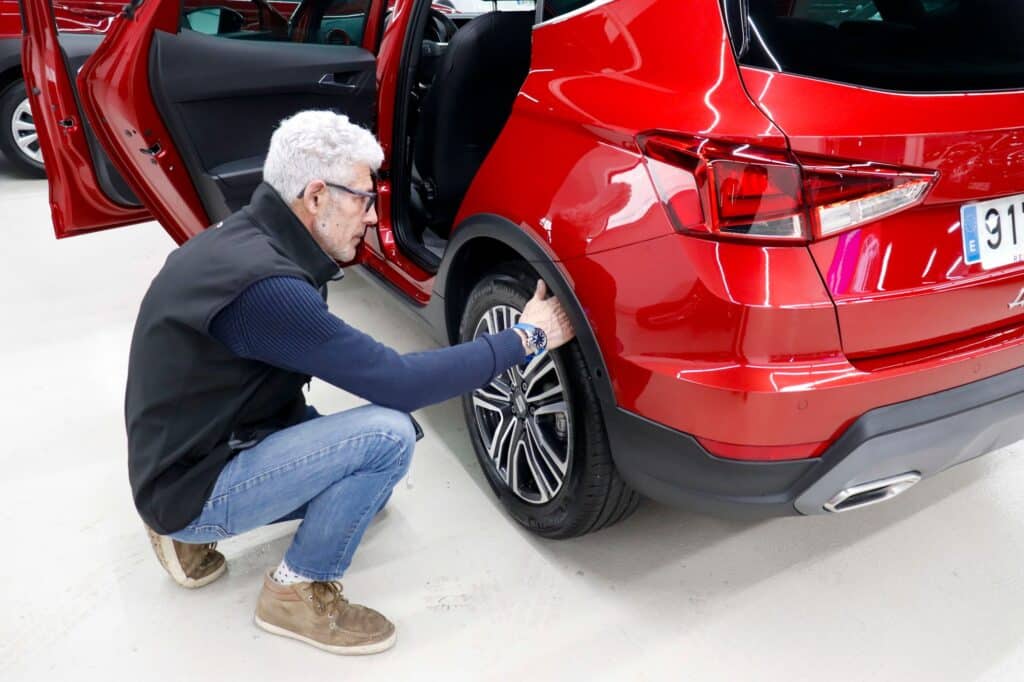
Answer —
536 339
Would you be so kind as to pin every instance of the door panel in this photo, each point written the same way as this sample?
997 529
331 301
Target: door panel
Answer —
79 202
187 116
222 123
77 49
114 87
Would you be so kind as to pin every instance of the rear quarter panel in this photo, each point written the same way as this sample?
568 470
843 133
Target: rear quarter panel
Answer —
567 166
670 313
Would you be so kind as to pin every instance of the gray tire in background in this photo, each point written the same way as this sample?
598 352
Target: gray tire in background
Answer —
19 141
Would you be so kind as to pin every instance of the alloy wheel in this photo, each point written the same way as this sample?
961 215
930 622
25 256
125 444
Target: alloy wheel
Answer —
23 127
524 419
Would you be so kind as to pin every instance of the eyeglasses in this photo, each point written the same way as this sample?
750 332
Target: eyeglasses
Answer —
369 198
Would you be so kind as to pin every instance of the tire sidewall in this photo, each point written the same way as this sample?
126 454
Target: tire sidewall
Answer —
10 98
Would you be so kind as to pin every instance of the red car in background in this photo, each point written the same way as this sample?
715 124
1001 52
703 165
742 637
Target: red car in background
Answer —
785 230
81 23
18 139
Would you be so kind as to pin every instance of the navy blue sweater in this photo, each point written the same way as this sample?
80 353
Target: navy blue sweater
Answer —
284 322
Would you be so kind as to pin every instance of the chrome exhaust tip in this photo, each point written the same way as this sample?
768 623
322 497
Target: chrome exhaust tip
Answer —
867 494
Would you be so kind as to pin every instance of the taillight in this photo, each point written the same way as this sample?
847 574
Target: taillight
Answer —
842 196
737 190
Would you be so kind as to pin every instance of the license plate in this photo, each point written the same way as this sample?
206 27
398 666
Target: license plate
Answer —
993 232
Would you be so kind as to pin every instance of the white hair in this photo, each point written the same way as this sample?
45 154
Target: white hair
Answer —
318 145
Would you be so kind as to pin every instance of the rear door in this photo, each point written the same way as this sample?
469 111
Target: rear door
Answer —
185 96
935 86
86 193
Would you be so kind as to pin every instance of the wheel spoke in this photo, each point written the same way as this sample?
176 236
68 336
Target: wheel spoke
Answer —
546 451
27 140
500 388
515 374
22 126
560 407
513 464
536 468
501 447
538 367
491 401
550 393
491 318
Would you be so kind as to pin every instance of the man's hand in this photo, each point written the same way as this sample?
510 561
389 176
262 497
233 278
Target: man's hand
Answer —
548 314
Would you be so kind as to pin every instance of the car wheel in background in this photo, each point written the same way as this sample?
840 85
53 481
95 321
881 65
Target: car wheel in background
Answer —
19 140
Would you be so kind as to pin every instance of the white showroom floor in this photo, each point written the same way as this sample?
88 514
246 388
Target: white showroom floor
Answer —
927 587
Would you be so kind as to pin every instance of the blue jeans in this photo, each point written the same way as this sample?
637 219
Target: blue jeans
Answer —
334 472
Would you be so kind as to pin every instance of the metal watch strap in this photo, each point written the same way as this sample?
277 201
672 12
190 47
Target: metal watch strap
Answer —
528 330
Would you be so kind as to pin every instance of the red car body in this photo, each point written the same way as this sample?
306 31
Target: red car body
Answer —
72 16
751 366
95 16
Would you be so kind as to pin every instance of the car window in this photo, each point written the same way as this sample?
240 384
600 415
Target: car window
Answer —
484 6
903 45
342 23
333 22
835 12
239 19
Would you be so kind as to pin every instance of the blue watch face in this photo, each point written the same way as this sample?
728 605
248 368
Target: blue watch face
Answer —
538 339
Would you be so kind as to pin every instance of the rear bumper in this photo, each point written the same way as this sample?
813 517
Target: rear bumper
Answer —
925 435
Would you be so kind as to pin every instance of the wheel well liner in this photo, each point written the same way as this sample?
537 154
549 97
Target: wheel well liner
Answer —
484 241
10 76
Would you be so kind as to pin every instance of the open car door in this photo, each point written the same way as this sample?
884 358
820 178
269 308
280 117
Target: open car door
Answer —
183 99
86 192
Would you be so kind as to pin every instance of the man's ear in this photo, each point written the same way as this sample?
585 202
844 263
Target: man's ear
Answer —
313 196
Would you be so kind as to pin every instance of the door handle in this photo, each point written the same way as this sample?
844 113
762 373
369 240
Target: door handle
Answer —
330 80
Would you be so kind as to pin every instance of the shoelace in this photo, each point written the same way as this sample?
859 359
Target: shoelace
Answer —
207 555
327 596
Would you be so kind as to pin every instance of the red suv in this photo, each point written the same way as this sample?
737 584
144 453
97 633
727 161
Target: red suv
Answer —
785 230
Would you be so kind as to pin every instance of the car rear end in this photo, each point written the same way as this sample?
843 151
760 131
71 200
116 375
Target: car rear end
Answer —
897 197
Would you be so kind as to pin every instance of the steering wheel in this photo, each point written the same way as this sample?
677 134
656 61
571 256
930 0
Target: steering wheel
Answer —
441 28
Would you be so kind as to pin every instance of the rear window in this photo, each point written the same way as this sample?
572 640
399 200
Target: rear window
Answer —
905 45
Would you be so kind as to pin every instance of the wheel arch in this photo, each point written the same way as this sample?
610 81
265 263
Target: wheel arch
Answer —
10 76
484 241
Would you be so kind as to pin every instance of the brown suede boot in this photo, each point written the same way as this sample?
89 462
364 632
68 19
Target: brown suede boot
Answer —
189 565
316 613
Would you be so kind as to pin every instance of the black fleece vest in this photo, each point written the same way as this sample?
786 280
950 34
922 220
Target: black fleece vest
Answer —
190 401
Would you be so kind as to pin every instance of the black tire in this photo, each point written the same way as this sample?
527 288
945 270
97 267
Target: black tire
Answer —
592 495
10 100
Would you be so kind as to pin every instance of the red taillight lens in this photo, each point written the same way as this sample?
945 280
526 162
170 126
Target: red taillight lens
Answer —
841 196
715 188
757 198
724 189
746 190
